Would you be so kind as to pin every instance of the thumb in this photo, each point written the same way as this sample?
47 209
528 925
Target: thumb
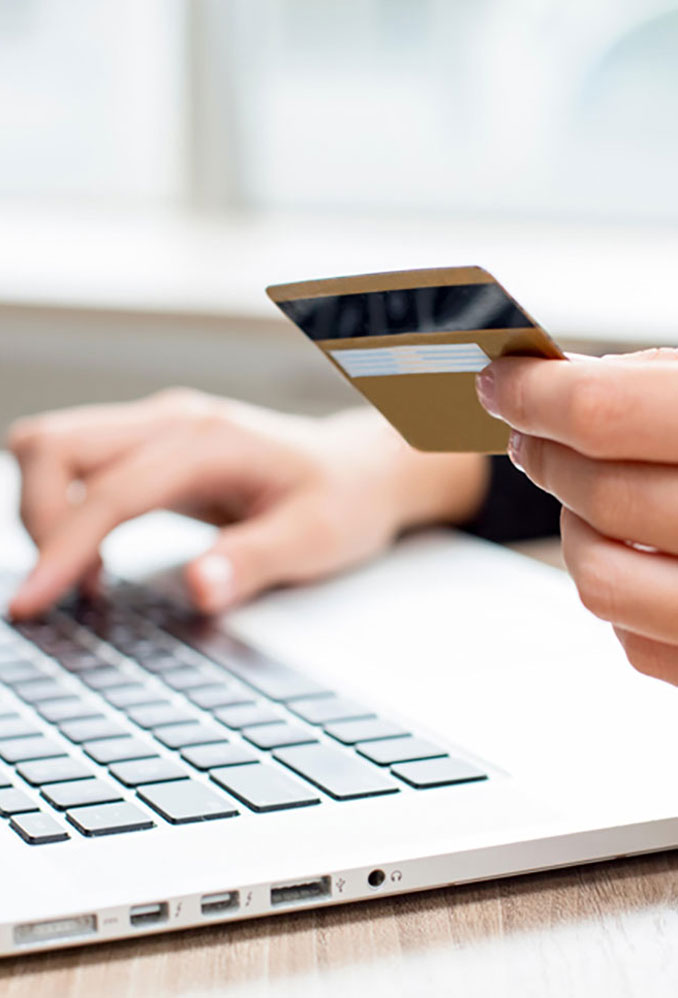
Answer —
280 545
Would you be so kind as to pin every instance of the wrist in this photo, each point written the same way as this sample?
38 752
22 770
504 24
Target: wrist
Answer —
420 488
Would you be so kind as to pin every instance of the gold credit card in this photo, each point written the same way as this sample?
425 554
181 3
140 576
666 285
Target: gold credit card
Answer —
412 343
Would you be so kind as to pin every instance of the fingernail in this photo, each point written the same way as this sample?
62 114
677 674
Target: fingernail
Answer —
515 447
486 389
216 575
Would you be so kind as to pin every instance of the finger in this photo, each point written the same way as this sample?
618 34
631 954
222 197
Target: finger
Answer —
55 449
292 542
650 355
45 483
635 590
602 408
628 501
652 658
89 437
150 477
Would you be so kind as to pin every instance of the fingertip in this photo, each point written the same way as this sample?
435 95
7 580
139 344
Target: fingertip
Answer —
35 594
23 604
211 583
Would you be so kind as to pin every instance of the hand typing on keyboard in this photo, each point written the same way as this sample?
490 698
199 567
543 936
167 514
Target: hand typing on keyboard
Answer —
296 497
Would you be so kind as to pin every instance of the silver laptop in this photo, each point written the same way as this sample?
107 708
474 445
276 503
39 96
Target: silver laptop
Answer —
448 713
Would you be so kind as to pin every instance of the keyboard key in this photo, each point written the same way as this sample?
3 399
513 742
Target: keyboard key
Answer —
5 780
7 636
107 750
36 690
137 647
24 749
104 679
159 662
14 801
186 800
351 732
264 788
340 774
135 774
176 736
80 792
246 715
273 679
219 754
18 671
221 695
72 709
53 771
16 727
269 736
162 713
132 695
107 819
81 660
390 750
187 677
38 829
323 710
91 729
438 772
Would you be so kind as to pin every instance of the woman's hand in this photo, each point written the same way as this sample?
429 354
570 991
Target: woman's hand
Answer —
602 436
296 497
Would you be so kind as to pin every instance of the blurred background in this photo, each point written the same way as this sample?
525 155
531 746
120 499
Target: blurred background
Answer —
161 161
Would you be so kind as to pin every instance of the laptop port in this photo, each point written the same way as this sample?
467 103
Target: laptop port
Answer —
304 890
149 914
55 929
216 904
376 878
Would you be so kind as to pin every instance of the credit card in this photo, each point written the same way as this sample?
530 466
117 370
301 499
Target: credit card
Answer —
412 343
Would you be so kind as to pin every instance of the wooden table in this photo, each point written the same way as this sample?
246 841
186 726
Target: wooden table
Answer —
607 930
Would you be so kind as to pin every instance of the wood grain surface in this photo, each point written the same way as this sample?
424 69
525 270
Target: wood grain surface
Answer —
609 930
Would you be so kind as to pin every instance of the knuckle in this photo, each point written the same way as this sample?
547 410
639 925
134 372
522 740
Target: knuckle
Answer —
323 526
610 500
18 437
180 399
34 434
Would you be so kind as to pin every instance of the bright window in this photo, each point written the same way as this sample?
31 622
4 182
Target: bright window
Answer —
525 108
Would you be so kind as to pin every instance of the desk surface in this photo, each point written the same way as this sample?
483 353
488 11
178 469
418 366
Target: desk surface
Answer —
610 927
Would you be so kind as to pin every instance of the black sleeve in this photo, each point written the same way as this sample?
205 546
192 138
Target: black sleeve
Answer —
514 508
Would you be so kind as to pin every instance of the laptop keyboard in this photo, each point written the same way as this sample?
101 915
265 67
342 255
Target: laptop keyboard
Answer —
131 712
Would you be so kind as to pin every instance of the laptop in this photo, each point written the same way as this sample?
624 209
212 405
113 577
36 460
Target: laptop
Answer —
447 713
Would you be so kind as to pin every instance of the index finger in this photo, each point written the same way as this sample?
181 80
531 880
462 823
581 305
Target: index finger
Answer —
171 469
150 477
610 408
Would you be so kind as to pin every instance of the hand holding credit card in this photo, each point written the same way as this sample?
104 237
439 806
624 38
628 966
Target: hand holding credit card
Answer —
412 343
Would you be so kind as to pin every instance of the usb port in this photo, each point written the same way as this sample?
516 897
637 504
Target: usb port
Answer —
149 914
215 904
305 890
